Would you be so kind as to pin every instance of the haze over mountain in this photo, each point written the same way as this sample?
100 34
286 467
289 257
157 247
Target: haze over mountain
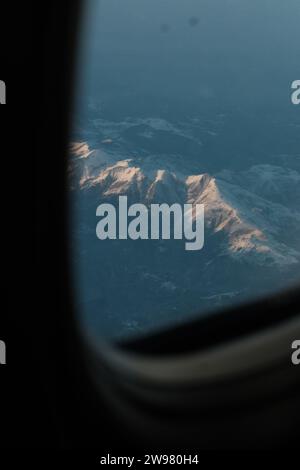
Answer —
248 249
185 101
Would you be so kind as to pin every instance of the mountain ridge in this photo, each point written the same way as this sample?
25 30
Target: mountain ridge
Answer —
252 223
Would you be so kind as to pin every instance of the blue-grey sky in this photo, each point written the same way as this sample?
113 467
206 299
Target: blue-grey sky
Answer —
247 50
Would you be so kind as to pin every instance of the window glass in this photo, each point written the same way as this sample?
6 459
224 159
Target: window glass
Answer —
193 105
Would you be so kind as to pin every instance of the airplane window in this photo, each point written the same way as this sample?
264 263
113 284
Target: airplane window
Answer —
184 159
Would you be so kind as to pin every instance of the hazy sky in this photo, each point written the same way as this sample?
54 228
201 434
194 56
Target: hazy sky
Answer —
248 49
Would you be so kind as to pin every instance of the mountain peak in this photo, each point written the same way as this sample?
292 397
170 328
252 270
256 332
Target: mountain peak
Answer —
236 204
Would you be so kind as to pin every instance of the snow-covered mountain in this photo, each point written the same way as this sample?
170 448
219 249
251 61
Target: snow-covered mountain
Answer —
248 207
252 216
